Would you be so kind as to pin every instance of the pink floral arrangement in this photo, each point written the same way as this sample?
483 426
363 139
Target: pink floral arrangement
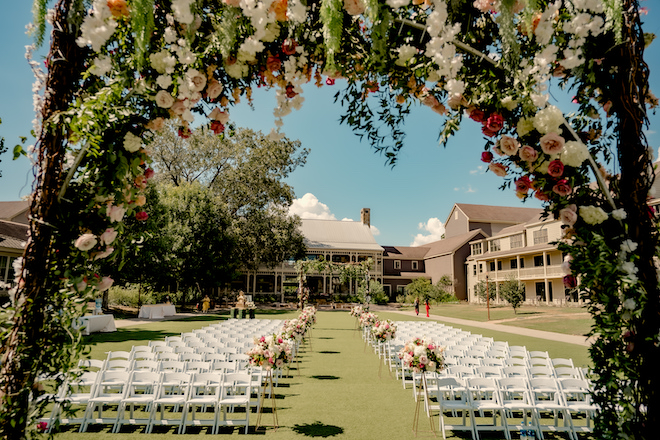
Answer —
368 319
383 330
357 311
294 329
422 355
270 352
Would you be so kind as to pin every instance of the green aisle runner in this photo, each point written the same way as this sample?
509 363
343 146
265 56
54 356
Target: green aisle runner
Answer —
339 394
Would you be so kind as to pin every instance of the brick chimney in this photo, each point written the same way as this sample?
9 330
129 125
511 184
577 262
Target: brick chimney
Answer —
365 216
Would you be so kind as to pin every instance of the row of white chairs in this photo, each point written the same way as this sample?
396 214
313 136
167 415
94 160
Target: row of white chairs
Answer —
167 398
511 404
139 375
511 373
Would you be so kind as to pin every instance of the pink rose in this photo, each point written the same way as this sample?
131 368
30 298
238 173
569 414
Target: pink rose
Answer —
81 286
570 281
528 154
179 107
148 173
141 216
217 127
568 215
213 89
108 236
552 143
540 195
556 168
104 284
566 265
164 99
509 145
106 253
562 188
486 156
85 242
498 169
116 213
353 7
273 63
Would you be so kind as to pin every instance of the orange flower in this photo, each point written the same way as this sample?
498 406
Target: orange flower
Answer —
118 8
278 7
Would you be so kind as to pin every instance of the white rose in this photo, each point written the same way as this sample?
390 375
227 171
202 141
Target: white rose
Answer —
164 81
196 81
164 99
104 284
108 236
86 242
574 153
593 214
548 120
132 143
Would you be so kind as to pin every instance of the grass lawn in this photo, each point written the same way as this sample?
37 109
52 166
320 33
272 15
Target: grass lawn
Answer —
334 391
567 320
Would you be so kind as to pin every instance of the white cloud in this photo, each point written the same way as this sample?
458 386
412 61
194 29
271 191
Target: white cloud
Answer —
480 170
435 230
464 189
309 207
374 230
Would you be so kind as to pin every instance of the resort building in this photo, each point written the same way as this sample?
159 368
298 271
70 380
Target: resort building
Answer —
524 253
334 240
13 236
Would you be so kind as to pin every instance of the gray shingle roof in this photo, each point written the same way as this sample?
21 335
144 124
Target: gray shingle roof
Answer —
9 210
498 214
334 234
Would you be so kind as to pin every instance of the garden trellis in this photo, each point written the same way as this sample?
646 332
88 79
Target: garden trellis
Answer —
118 69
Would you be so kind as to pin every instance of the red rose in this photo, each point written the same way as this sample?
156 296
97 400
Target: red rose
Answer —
273 63
494 123
141 216
523 184
476 115
148 173
562 188
290 92
570 281
488 132
217 127
372 86
289 46
330 81
556 168
184 132
540 195
486 156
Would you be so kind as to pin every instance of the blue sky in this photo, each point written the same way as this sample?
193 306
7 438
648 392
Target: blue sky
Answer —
408 203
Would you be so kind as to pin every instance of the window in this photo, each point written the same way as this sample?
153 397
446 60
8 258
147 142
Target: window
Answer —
541 236
397 264
548 261
516 241
474 269
492 266
400 289
514 264
522 263
6 269
494 245
415 265
481 268
538 261
476 248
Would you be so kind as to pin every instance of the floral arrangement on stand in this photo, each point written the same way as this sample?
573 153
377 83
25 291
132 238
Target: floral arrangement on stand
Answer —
294 329
270 352
422 355
308 315
383 331
368 319
357 311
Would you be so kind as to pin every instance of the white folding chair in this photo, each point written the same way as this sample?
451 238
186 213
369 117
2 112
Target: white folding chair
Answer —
72 398
517 401
452 398
484 397
141 392
577 397
548 399
109 391
172 392
236 392
205 390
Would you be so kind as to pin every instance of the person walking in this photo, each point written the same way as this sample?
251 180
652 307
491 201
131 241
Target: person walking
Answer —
427 308
417 306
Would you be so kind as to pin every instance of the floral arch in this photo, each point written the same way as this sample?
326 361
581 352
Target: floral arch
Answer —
117 69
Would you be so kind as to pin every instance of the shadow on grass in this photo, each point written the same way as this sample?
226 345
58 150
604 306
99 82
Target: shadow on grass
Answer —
326 338
329 352
325 377
122 335
317 429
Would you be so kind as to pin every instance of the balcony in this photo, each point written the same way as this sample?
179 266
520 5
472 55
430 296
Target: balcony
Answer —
554 271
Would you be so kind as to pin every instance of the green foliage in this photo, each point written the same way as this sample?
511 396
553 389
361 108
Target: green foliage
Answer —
513 292
376 292
482 290
423 289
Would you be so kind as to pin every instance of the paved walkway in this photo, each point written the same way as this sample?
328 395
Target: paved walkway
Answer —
552 336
